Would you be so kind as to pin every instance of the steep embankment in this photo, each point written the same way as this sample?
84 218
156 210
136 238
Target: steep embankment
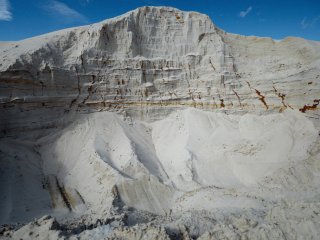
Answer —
192 162
146 165
229 173
152 58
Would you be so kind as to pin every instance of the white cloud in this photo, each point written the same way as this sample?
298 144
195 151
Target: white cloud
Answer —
243 14
61 9
306 24
5 13
85 2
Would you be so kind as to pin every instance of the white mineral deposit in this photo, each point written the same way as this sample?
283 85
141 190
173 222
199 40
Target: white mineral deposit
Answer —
159 125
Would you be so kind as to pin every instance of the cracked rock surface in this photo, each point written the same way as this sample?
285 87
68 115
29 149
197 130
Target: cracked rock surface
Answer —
159 125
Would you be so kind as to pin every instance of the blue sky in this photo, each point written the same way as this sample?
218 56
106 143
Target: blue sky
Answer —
278 19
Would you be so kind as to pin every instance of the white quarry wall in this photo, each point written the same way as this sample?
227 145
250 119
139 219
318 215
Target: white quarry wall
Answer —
155 57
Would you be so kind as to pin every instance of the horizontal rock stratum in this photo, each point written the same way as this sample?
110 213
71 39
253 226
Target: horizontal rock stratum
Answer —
154 57
158 124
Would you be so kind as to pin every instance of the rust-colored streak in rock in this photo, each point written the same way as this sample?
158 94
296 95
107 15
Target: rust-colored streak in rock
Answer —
18 81
222 105
249 85
314 106
237 97
282 97
262 98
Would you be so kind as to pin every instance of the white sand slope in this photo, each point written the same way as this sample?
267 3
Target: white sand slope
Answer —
101 150
22 182
188 150
190 161
203 149
96 129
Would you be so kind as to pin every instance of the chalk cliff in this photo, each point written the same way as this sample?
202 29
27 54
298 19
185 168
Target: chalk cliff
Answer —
158 123
150 58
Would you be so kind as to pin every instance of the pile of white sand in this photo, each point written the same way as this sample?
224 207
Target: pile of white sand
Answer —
190 161
151 164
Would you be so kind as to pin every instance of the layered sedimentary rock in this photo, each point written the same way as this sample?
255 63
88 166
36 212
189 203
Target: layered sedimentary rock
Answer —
249 169
153 58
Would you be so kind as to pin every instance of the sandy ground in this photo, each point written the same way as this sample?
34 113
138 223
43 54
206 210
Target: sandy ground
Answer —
101 128
190 166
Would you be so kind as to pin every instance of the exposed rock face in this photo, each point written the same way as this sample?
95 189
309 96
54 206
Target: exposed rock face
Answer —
192 174
153 58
